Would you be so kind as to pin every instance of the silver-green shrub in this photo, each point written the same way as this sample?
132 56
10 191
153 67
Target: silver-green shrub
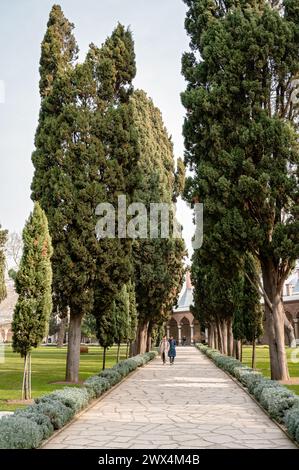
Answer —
291 421
97 385
17 432
277 401
58 413
43 421
111 375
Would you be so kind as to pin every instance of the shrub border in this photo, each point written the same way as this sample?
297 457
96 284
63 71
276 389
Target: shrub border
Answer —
63 398
280 424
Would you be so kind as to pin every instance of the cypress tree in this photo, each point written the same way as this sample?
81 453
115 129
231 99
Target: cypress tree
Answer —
33 284
85 161
241 137
158 268
3 240
114 69
52 185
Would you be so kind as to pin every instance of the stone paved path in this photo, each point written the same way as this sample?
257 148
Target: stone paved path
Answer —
191 404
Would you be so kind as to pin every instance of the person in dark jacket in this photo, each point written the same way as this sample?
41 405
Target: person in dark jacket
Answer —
172 350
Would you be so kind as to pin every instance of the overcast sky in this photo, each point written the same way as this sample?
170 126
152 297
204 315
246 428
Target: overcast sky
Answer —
160 40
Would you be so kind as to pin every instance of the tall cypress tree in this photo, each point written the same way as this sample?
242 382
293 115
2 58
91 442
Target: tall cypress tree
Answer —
158 267
33 284
85 161
114 69
3 240
51 184
241 136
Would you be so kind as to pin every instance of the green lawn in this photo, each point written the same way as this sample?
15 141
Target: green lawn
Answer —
263 364
48 365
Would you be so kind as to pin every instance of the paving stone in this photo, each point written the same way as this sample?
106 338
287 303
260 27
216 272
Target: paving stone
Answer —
191 405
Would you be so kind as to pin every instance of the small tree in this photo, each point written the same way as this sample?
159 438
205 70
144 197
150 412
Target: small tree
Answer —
3 238
122 312
106 330
248 316
33 284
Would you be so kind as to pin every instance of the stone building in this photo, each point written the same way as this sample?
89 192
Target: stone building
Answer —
6 311
182 323
291 301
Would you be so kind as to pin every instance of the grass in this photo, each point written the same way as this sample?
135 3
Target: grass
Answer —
48 365
263 362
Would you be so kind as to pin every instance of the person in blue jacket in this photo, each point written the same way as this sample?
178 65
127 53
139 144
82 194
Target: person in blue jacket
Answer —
172 350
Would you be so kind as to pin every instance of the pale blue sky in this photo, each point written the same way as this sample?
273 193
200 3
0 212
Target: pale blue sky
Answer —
160 39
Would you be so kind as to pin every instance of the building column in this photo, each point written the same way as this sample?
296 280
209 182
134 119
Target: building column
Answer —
180 334
192 333
167 330
296 328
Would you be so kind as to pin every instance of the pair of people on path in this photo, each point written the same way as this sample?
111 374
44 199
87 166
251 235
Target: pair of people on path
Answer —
168 348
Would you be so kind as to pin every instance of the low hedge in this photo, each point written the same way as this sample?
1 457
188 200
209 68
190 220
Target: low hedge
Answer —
281 403
96 386
34 414
73 398
291 421
27 428
17 432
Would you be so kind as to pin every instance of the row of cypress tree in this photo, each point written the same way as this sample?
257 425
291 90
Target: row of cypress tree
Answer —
97 138
241 138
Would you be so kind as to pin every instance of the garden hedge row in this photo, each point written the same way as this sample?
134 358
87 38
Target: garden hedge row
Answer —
28 427
281 403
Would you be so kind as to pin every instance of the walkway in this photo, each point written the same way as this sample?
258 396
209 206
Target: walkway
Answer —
191 404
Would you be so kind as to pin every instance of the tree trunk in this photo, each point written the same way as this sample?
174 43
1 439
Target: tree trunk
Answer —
275 321
289 332
237 348
219 336
104 357
216 345
211 341
26 386
61 332
224 336
118 352
73 349
140 344
230 338
149 339
253 358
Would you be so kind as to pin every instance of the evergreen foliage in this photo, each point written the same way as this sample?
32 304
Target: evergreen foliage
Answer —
241 138
158 268
33 284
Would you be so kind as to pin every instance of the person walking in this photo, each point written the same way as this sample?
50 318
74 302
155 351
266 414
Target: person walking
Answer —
172 350
164 348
